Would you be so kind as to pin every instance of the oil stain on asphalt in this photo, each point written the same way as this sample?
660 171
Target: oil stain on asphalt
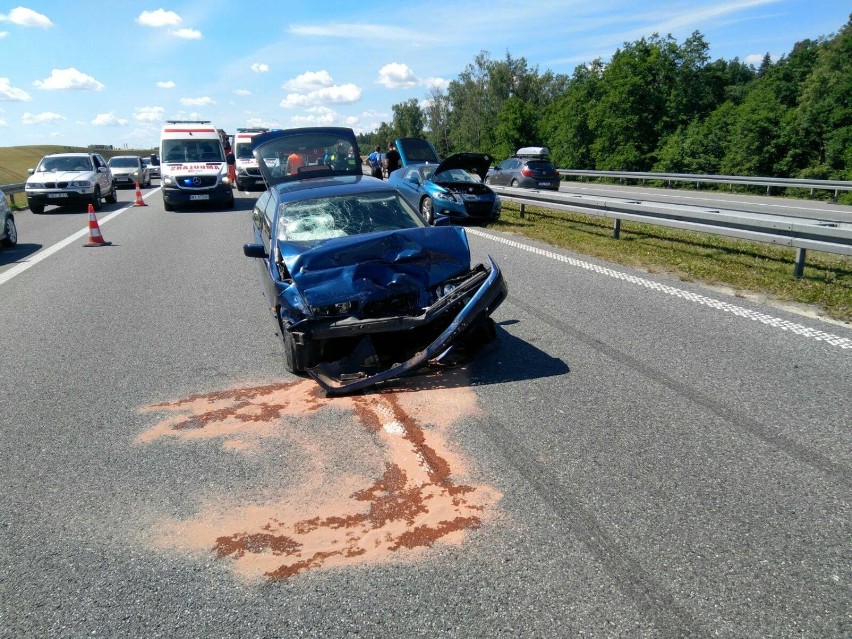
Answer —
419 494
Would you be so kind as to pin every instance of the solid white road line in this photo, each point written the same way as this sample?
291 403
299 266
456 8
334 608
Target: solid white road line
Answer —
35 258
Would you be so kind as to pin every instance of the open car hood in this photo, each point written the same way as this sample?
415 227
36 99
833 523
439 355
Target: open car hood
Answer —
375 266
476 163
321 152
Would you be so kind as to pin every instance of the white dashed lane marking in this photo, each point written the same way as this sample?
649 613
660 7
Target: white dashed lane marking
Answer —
696 298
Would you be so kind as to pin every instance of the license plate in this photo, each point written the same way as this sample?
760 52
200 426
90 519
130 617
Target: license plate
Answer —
199 197
57 195
544 183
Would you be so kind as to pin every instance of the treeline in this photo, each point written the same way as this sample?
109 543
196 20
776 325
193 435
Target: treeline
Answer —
657 106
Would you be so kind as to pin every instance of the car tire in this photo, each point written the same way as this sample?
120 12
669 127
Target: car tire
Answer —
37 209
112 196
239 185
515 183
96 199
427 210
167 206
291 357
11 232
148 182
487 180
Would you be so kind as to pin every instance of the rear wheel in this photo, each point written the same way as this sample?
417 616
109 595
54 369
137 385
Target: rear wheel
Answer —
11 232
427 211
515 183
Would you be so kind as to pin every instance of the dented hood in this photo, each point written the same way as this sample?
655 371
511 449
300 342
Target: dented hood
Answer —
377 265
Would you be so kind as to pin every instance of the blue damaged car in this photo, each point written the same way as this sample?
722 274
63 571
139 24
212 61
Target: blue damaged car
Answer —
363 291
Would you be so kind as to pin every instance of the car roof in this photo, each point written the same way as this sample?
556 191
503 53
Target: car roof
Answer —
311 188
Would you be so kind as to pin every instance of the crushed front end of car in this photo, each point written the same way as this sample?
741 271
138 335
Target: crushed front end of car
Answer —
376 307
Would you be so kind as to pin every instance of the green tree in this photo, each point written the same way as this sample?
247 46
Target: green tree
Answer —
408 119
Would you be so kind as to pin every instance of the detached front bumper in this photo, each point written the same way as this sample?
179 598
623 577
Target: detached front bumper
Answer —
490 294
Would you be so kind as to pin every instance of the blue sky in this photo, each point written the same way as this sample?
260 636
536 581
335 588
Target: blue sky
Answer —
107 72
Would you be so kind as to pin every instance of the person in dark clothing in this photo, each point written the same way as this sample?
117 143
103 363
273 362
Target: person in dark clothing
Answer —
391 159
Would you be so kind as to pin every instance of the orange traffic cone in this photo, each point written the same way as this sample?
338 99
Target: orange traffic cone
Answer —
95 237
139 200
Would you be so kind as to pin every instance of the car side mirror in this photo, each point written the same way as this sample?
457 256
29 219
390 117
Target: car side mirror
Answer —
30 171
254 250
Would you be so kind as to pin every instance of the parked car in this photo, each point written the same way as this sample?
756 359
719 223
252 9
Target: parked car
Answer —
362 289
153 164
529 168
451 192
70 178
127 170
8 232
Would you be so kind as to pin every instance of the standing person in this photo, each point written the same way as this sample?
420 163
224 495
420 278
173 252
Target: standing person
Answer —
391 159
293 163
375 160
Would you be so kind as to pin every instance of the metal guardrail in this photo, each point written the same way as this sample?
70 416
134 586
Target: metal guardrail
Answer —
799 233
768 182
11 190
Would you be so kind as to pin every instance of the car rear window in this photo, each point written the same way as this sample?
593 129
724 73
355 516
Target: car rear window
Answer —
540 165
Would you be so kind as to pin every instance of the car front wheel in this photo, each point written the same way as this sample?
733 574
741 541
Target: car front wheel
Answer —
38 209
427 211
11 232
112 196
96 199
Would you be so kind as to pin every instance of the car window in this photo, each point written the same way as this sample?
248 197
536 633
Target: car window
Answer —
259 207
192 151
123 163
540 165
243 151
345 215
297 154
66 163
506 164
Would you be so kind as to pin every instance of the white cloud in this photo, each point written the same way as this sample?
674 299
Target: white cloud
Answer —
259 122
309 81
186 34
203 101
3 34
149 113
108 119
345 94
362 32
159 18
242 91
317 116
260 67
168 84
12 94
24 17
756 59
69 79
41 118
436 83
397 76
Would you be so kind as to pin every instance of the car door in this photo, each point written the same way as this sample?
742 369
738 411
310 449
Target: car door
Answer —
103 174
264 218
499 177
411 186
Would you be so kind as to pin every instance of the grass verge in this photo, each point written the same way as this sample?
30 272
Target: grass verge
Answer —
749 268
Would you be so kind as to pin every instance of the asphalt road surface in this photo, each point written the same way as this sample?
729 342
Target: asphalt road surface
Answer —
634 457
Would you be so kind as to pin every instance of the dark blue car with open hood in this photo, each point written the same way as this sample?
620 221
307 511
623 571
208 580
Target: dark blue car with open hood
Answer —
362 289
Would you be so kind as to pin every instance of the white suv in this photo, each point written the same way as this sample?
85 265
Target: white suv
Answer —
70 178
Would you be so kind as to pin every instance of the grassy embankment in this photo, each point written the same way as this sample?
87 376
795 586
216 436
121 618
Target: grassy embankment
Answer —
748 268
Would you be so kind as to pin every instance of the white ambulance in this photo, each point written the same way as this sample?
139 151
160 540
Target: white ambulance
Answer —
248 174
193 165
